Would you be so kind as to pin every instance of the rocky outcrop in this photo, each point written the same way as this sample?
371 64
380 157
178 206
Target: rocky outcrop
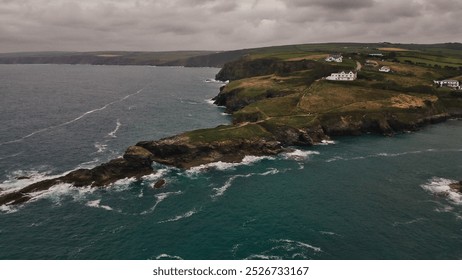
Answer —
136 162
180 152
160 184
457 187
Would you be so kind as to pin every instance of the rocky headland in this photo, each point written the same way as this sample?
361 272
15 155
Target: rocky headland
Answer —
136 162
278 103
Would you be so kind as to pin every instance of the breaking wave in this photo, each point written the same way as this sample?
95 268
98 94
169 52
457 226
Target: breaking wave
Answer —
440 187
286 249
97 204
247 160
159 198
168 257
216 81
221 190
112 134
299 154
21 178
180 217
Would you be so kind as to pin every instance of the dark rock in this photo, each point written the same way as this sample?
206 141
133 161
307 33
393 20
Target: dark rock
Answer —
159 184
180 152
22 178
138 155
456 186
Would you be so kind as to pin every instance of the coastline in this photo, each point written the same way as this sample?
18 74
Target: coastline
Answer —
275 104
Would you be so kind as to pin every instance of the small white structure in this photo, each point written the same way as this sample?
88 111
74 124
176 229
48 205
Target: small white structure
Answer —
385 69
376 54
334 58
448 83
342 76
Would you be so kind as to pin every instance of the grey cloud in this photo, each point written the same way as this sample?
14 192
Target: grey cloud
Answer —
334 4
28 25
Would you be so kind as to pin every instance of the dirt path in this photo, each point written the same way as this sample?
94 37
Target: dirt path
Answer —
358 66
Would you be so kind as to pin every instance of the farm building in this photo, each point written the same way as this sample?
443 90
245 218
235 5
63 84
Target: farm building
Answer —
342 76
334 58
448 83
385 69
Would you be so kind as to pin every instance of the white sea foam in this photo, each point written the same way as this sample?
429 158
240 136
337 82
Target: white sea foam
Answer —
440 186
221 190
298 244
71 121
262 257
395 224
155 176
271 171
327 142
444 209
89 164
328 233
122 184
216 81
219 165
97 204
59 191
180 217
299 154
32 176
112 134
397 154
168 257
100 147
159 198
336 158
8 209
210 101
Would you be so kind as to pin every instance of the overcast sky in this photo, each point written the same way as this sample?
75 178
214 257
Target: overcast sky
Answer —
158 25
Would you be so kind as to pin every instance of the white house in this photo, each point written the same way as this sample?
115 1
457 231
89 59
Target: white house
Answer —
342 76
448 83
385 69
334 58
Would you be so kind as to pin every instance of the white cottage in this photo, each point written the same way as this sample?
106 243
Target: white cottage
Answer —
448 83
334 58
385 69
342 76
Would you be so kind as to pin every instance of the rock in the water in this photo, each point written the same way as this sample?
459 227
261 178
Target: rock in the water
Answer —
23 178
159 184
456 186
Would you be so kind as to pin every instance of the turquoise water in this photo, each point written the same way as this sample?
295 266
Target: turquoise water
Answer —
368 197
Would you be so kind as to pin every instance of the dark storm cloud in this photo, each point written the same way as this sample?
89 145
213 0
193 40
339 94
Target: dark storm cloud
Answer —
27 25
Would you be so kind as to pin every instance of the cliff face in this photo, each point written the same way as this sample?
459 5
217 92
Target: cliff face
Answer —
247 67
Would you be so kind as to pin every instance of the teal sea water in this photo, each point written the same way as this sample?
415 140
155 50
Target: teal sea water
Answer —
368 197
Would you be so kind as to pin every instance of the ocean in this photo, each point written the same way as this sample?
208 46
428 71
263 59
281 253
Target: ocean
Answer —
367 197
